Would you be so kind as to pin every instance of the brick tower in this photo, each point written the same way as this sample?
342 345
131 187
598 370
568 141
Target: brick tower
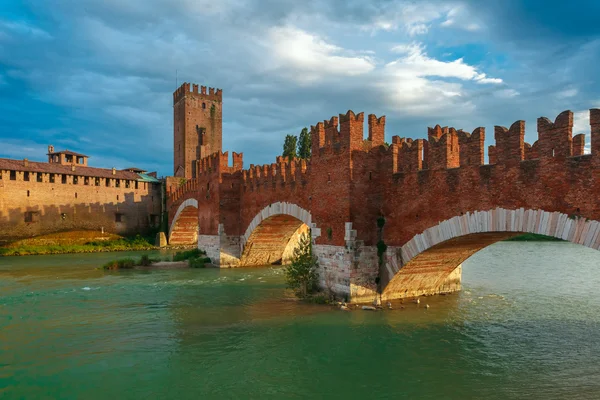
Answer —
197 126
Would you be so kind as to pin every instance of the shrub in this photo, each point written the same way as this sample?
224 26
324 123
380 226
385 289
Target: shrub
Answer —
199 262
186 255
145 260
301 275
124 263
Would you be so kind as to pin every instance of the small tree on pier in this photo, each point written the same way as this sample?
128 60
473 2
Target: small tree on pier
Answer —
301 275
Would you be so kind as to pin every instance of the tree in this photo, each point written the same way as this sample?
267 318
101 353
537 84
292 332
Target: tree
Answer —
304 144
301 275
289 146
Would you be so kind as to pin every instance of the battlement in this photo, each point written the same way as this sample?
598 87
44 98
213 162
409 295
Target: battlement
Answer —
187 89
282 172
447 147
471 147
219 163
442 151
346 132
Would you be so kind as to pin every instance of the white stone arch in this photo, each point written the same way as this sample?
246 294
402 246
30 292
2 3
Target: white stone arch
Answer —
280 208
187 203
556 224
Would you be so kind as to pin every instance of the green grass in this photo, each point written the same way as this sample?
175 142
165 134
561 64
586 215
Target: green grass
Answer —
123 244
526 237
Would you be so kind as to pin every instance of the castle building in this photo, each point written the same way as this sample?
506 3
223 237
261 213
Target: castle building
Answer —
65 193
197 127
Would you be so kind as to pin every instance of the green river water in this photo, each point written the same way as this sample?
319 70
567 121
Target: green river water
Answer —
525 326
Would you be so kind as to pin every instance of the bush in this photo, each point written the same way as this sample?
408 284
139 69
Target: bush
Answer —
199 262
124 263
186 255
301 275
145 260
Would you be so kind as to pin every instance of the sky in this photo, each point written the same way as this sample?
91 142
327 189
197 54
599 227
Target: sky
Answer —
97 76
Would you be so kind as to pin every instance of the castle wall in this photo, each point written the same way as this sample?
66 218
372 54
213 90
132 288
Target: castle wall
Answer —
55 207
350 181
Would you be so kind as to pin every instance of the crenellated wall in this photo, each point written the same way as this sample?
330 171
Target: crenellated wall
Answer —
351 181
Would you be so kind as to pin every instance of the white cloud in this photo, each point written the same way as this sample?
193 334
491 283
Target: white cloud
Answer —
570 92
418 29
415 62
459 17
306 57
410 17
506 93
481 78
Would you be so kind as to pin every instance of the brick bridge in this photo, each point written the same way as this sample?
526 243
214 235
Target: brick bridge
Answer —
432 202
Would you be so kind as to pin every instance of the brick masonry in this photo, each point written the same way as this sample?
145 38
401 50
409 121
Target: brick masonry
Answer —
428 191
31 204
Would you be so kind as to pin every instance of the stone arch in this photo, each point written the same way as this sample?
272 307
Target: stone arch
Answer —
271 235
431 261
184 227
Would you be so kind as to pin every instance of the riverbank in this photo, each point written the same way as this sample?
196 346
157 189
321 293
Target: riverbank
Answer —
77 242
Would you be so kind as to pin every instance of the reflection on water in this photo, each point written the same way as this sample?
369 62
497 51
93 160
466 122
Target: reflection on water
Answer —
526 325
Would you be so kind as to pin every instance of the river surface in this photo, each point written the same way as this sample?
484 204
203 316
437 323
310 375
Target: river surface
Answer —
525 326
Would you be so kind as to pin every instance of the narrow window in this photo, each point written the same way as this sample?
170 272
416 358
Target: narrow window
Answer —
51 178
75 179
117 182
328 177
40 177
203 106
136 184
64 178
26 176
127 184
370 175
86 180
552 152
28 193
75 194
107 182
97 181
0 174
117 197
13 175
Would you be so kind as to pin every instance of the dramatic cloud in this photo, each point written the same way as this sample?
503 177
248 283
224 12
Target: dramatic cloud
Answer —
97 76
303 57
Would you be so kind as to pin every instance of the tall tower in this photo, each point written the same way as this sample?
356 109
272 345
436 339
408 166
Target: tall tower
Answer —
197 126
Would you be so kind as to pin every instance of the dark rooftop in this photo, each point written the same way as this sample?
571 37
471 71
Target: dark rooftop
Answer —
54 168
68 152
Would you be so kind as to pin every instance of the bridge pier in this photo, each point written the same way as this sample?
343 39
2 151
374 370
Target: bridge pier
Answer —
223 249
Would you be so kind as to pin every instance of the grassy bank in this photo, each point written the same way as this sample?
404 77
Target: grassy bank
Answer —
76 242
526 237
